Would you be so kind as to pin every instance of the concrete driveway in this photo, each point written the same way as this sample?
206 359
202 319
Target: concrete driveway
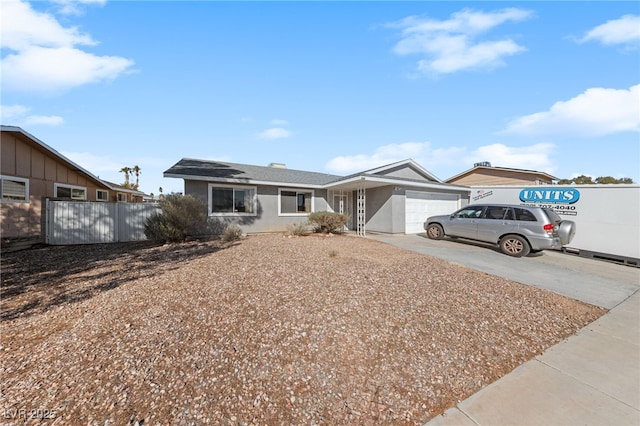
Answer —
597 282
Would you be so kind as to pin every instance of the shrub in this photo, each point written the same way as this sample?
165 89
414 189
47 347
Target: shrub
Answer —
299 229
180 217
328 222
231 233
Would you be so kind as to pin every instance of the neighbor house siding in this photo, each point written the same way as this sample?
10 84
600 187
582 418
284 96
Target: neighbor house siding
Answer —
497 177
24 159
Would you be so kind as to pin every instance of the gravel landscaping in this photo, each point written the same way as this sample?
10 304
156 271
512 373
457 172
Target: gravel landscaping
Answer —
267 330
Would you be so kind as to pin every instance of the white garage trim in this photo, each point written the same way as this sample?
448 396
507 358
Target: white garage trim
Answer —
419 205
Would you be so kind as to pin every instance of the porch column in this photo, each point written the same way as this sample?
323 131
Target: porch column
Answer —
361 216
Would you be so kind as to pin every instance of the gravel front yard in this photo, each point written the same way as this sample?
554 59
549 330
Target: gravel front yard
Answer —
267 330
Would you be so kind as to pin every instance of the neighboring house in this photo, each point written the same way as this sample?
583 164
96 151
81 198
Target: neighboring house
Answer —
395 198
31 171
485 174
122 194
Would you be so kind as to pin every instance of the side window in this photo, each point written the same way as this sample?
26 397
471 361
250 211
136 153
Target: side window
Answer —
509 215
524 215
495 212
470 212
14 189
102 195
70 191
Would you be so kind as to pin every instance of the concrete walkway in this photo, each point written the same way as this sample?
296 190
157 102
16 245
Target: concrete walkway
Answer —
592 378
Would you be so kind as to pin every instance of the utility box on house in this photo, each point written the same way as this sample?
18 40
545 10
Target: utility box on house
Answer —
607 216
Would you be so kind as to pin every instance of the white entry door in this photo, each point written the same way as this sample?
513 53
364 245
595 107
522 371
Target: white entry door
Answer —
420 205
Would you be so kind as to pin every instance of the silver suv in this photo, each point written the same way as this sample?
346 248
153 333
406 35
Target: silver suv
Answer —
518 230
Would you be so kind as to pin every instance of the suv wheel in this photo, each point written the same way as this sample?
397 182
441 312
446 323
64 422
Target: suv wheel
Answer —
435 232
514 245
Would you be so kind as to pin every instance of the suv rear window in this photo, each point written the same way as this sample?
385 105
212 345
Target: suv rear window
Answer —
553 216
524 215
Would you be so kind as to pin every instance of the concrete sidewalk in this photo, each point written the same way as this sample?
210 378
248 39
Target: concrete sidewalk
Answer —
592 378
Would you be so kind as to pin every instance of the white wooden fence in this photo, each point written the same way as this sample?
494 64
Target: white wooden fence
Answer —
78 222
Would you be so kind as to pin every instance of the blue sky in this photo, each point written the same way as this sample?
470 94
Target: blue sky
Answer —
333 87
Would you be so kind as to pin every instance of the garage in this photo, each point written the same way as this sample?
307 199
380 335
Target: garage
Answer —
419 205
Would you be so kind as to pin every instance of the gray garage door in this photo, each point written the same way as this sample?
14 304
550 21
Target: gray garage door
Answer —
420 205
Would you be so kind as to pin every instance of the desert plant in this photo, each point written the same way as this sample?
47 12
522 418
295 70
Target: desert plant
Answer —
298 229
333 253
328 222
231 233
180 217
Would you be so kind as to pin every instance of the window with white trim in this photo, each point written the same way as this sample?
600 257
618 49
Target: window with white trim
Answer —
121 197
69 191
295 202
14 189
102 195
232 200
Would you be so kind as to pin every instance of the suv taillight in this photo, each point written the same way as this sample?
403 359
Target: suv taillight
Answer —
549 228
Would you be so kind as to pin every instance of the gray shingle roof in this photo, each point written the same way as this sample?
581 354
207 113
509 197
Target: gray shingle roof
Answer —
219 170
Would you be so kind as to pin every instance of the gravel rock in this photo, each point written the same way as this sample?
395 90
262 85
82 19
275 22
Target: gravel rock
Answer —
267 330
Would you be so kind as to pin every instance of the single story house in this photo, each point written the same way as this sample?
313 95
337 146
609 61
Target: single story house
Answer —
31 171
484 174
395 198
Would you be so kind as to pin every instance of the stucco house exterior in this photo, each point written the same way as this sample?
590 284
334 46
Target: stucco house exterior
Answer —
484 174
395 198
31 171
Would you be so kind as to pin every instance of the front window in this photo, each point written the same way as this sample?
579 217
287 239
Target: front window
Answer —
14 189
232 200
121 197
469 212
69 191
296 202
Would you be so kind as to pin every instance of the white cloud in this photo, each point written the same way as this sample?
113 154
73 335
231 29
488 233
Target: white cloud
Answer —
449 160
72 7
274 133
47 120
422 152
623 30
596 112
96 164
20 115
452 45
532 157
44 56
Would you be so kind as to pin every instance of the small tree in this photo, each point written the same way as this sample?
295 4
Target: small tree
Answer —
328 222
181 217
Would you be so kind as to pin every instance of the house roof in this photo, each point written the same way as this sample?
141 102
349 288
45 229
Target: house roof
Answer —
507 169
408 162
219 171
122 188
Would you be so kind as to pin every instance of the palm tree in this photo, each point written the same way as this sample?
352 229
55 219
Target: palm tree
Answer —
126 170
136 171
